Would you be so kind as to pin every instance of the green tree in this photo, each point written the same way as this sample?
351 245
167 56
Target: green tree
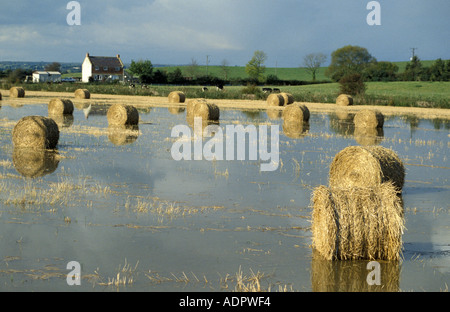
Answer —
255 67
175 77
413 70
347 60
143 69
312 63
55 66
353 84
437 70
380 71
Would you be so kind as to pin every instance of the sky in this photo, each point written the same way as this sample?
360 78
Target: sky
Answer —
179 31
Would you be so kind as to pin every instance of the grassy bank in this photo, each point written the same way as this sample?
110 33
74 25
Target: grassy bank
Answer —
414 94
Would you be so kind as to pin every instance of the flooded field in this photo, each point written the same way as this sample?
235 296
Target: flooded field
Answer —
137 220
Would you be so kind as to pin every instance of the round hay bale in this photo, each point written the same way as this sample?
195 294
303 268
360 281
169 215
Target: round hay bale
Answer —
191 104
176 97
60 107
36 132
275 99
344 100
295 129
368 136
359 166
369 119
357 223
122 114
34 163
82 94
207 111
288 98
296 112
16 92
122 135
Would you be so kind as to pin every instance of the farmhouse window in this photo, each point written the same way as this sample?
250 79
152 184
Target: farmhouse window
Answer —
97 68
105 68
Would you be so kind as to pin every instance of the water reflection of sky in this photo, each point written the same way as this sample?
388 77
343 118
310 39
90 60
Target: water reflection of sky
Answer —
237 193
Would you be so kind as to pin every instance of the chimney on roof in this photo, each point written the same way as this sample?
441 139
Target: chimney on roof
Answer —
118 55
87 54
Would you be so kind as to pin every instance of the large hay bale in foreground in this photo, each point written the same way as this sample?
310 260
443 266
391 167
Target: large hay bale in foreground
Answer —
122 114
16 92
34 163
358 222
207 111
288 98
368 118
82 94
60 107
275 99
36 132
176 97
366 166
296 112
344 100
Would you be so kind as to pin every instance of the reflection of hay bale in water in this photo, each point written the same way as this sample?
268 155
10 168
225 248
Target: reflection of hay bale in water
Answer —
344 100
122 135
82 94
33 163
295 129
63 121
207 111
275 100
368 136
122 114
296 112
199 128
344 115
358 222
60 107
287 97
274 113
16 92
366 166
176 109
351 276
36 132
176 97
369 119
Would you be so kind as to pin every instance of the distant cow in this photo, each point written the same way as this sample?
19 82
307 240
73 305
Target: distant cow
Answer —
204 89
267 90
131 86
219 88
276 90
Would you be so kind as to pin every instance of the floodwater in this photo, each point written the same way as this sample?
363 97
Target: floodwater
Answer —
137 220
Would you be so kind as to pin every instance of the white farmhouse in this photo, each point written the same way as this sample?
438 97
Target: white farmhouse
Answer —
102 68
46 76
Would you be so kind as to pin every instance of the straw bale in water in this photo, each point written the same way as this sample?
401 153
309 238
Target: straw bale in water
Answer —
368 118
60 107
16 92
344 100
275 99
358 222
36 132
366 166
176 97
82 94
122 114
296 112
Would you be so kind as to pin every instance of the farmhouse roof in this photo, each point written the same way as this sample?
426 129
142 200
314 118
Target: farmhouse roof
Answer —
105 61
40 72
